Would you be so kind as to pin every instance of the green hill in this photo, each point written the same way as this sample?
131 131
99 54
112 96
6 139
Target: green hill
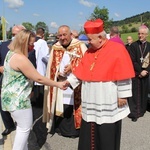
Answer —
134 36
129 26
140 18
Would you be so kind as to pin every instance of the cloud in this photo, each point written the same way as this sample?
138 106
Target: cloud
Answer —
81 13
14 4
16 10
53 25
80 25
36 15
117 15
87 3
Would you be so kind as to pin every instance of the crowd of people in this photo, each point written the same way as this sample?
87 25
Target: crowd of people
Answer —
82 90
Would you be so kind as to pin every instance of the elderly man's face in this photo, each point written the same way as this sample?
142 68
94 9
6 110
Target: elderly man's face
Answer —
142 35
16 29
64 35
94 41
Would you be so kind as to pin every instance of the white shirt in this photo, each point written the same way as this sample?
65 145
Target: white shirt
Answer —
100 100
41 50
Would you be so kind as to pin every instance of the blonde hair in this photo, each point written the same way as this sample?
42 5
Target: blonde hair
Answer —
21 41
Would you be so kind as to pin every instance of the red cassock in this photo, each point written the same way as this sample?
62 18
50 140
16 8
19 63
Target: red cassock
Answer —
110 63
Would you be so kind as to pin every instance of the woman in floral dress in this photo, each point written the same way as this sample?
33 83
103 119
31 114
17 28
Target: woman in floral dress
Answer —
17 85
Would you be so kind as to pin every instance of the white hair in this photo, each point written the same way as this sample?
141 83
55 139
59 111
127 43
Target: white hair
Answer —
145 28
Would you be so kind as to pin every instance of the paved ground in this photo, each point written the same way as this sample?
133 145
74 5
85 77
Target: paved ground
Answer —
135 136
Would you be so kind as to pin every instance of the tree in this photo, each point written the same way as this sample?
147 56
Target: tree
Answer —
28 26
125 29
133 29
147 23
45 27
42 25
102 14
9 34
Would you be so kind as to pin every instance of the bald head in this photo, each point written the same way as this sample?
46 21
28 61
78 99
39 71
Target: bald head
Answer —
64 34
129 40
16 29
114 31
74 33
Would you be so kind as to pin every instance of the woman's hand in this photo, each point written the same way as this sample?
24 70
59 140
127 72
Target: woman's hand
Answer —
63 85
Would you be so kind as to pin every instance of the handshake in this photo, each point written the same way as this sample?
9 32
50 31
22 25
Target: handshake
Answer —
62 77
63 84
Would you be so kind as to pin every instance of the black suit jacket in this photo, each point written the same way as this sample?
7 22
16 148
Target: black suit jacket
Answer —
3 51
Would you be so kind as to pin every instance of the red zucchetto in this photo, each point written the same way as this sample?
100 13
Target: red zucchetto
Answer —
93 26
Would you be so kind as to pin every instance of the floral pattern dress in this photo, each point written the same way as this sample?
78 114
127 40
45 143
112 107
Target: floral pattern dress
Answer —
16 88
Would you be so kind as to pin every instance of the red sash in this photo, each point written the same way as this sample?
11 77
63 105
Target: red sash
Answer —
58 52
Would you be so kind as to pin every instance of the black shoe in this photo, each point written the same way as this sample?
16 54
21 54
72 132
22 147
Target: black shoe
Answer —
8 131
73 137
134 119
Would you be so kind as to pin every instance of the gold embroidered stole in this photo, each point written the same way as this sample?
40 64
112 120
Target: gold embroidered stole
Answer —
58 52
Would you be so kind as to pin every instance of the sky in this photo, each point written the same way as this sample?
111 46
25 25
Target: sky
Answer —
73 13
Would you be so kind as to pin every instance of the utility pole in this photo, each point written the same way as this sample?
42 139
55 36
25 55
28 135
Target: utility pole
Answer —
3 22
141 20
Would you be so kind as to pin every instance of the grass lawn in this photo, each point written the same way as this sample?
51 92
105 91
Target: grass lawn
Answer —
134 36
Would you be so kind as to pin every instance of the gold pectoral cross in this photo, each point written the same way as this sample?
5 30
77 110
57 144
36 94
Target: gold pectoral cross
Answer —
92 66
